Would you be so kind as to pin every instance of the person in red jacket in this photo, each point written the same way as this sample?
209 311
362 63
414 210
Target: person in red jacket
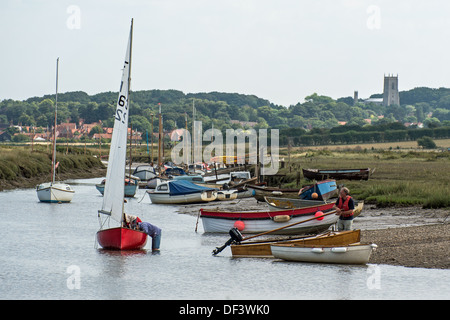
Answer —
344 207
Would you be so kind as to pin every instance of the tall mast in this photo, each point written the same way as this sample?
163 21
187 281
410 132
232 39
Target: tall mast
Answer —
160 135
128 106
129 69
54 131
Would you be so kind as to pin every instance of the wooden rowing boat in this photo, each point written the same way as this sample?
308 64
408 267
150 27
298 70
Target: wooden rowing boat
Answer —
343 254
277 204
262 249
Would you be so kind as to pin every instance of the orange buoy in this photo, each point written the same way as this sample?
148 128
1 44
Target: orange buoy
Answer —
314 195
240 225
319 215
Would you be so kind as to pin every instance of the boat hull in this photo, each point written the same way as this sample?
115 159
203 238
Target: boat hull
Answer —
262 248
263 225
121 239
351 254
166 198
260 192
144 175
262 221
54 193
277 204
349 174
225 195
130 190
324 190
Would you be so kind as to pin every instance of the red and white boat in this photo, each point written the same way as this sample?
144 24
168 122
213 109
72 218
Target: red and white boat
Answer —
262 221
120 237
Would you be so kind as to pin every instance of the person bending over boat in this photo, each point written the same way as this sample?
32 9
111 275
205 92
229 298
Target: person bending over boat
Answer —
153 231
344 207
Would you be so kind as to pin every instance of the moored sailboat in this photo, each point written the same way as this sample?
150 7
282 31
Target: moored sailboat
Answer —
55 192
119 238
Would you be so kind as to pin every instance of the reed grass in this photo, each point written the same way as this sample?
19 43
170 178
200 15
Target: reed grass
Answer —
18 162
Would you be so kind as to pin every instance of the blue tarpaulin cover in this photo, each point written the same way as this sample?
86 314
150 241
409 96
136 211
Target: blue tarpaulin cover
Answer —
179 187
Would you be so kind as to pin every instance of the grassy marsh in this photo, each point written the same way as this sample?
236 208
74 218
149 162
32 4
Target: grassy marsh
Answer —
400 178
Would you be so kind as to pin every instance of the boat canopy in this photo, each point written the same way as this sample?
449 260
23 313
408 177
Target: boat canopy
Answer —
175 171
179 187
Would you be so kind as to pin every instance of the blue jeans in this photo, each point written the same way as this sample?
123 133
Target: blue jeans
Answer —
156 241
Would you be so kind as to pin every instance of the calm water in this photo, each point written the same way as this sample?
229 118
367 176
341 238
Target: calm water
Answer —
48 251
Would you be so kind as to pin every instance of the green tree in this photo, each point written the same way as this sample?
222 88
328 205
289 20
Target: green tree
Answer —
426 143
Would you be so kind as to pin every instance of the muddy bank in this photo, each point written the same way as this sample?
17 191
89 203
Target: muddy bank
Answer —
410 237
425 246
22 182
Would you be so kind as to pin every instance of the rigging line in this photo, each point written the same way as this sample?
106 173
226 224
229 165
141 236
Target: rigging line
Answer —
143 197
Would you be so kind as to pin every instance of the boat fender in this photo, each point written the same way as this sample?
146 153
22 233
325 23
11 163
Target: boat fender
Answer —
281 218
317 250
339 250
277 193
374 246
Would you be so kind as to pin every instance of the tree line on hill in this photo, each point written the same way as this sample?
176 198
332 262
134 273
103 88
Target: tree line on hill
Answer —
313 121
354 134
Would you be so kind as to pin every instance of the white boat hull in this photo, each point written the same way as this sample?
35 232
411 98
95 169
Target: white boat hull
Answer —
351 254
225 195
166 198
219 225
144 175
54 193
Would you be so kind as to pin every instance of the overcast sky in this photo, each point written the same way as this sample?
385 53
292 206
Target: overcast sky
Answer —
280 50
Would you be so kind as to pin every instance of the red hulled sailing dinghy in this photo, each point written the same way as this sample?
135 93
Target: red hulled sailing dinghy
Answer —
119 238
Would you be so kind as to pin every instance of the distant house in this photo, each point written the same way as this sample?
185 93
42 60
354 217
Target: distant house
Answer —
88 127
102 135
67 130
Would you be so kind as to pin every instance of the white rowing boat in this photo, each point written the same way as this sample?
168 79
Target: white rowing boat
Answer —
350 254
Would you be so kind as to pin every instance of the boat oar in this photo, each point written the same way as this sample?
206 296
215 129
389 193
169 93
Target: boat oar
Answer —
235 236
290 225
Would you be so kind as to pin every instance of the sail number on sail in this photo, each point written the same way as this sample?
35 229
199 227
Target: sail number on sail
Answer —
119 112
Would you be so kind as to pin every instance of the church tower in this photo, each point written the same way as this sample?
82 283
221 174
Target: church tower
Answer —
390 92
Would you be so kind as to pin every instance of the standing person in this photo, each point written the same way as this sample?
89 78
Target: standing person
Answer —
344 207
152 231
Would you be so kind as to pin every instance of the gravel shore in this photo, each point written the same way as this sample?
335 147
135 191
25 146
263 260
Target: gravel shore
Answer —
410 237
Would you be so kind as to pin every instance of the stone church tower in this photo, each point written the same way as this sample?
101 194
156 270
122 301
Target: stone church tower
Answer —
390 92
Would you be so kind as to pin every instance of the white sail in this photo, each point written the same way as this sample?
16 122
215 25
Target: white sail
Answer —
115 176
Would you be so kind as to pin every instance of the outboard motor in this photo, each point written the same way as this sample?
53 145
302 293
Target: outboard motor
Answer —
236 237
